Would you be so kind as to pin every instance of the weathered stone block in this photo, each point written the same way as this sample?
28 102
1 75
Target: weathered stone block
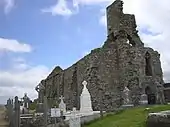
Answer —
161 119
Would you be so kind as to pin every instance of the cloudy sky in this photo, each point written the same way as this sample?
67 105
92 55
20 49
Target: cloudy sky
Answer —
37 35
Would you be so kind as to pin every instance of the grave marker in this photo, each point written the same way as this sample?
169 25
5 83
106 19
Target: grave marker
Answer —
55 112
74 120
62 105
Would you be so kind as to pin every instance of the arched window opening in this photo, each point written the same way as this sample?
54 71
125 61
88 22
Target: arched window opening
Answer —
148 67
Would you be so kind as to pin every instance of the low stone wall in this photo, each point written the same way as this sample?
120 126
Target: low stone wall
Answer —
84 120
58 125
87 119
161 119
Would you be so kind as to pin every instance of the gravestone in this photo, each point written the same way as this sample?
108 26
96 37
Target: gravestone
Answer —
160 93
62 105
85 100
126 93
74 120
26 101
12 102
143 99
40 106
40 89
17 113
10 110
126 98
55 112
23 110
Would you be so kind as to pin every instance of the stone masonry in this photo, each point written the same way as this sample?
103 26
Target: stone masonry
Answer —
121 61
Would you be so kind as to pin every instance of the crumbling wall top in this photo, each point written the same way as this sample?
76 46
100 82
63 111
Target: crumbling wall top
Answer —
116 5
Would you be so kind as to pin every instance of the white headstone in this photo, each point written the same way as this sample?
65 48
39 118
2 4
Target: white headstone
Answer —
85 100
74 120
55 112
126 96
62 105
74 111
144 99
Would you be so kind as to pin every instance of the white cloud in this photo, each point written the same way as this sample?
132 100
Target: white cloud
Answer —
8 5
92 2
103 20
17 82
19 64
17 76
26 78
61 8
13 46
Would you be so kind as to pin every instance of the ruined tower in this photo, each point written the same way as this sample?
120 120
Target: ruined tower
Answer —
121 61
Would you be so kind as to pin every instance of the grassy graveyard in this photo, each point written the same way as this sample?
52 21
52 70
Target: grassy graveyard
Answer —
135 117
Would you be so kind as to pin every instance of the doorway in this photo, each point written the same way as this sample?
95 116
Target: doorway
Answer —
151 96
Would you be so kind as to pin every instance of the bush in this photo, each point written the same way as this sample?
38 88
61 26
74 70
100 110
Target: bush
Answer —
33 105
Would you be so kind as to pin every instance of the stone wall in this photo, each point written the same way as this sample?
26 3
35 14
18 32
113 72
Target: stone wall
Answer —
167 92
120 62
167 95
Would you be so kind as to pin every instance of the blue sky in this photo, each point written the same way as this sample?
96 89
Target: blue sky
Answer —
55 40
37 35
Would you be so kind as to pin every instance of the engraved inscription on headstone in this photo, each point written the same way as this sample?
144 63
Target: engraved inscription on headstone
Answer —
55 112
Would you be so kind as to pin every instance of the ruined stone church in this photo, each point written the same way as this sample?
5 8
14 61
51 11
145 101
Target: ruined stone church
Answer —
121 61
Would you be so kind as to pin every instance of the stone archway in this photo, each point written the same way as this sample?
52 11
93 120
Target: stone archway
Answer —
151 96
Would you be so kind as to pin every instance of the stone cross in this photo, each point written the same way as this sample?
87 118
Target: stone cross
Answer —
10 110
17 112
74 111
26 101
61 98
40 89
84 83
74 120
62 105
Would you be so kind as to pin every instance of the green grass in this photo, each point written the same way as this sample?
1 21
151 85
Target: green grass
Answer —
135 117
